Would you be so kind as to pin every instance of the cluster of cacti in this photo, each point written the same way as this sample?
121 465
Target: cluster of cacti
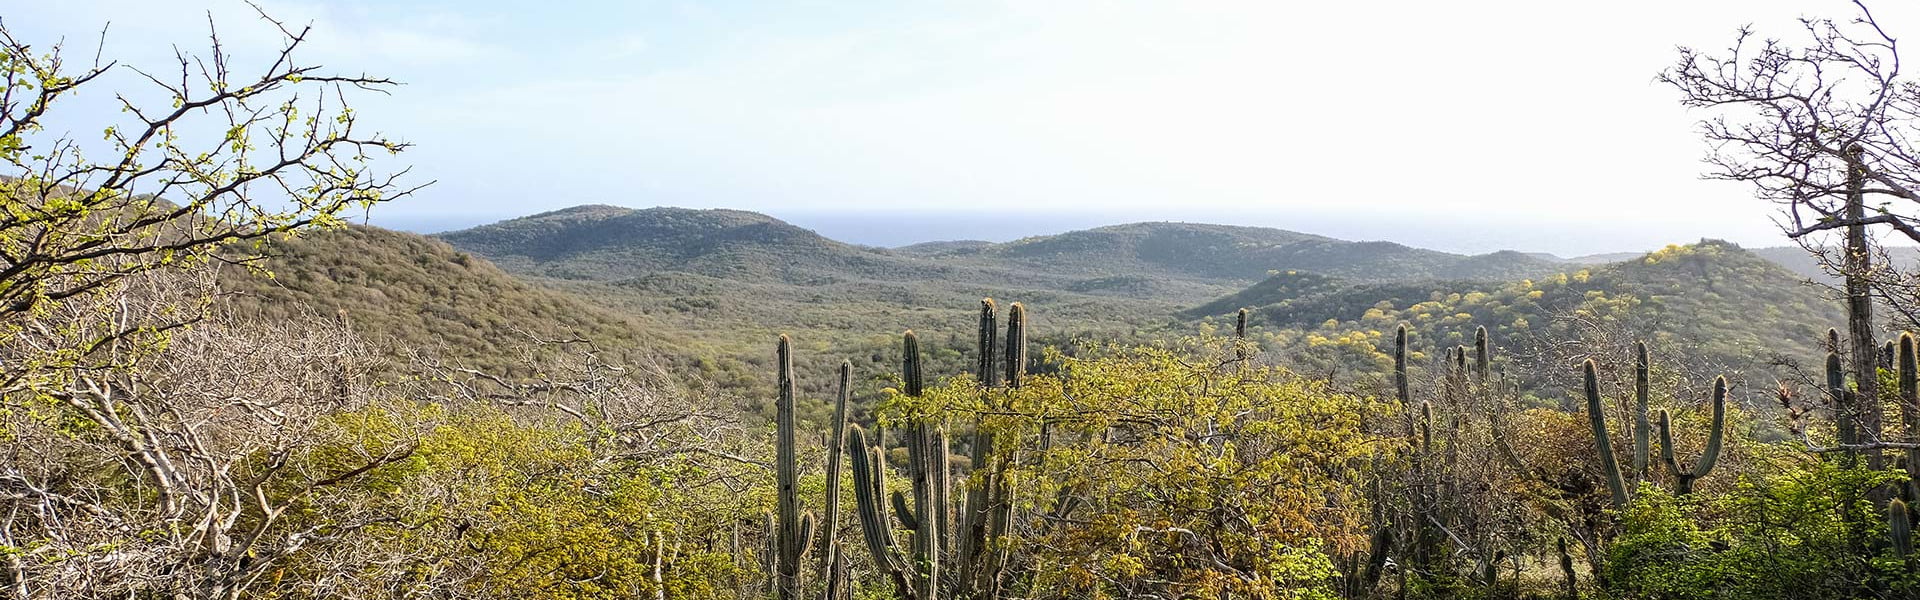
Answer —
953 550
1617 482
1683 478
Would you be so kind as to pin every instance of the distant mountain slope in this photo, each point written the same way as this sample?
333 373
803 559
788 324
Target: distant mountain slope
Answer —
605 243
609 243
1712 302
1222 252
1798 260
421 293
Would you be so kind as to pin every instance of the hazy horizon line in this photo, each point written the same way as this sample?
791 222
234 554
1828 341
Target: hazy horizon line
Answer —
898 227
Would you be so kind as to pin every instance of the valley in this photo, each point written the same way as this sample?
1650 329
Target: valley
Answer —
705 289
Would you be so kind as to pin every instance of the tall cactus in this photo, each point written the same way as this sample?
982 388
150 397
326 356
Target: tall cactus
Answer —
973 531
1482 356
1240 336
976 547
1842 398
788 540
1597 418
922 473
1400 389
987 367
1683 478
1907 371
830 559
953 552
1016 345
1640 426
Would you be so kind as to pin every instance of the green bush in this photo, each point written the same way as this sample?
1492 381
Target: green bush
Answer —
1809 531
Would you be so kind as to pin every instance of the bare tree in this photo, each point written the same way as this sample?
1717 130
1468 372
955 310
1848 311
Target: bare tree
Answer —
1825 126
210 156
167 465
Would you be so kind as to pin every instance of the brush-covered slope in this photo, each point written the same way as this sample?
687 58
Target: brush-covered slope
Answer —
607 243
420 293
1164 261
1724 306
1225 253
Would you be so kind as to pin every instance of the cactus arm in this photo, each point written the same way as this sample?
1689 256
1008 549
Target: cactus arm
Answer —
806 533
869 494
1715 432
903 512
1597 418
1666 443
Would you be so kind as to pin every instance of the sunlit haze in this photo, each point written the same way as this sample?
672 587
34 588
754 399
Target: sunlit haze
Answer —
1458 126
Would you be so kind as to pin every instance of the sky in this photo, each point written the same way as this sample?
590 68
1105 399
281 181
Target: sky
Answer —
1463 126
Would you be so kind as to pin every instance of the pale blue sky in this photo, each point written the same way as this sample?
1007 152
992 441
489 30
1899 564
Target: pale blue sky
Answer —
1464 126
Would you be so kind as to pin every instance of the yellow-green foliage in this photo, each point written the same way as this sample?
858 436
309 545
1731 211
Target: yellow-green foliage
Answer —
514 509
1199 477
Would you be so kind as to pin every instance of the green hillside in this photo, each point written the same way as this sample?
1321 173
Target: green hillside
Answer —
1711 305
419 293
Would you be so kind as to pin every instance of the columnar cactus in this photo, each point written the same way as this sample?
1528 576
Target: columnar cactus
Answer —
970 546
1842 398
1400 389
1908 370
1016 344
1683 478
831 562
1482 358
1597 418
788 537
1426 427
987 367
986 502
1240 323
1640 425
923 472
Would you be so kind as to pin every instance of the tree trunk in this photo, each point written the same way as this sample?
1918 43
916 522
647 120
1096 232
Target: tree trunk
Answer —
1865 353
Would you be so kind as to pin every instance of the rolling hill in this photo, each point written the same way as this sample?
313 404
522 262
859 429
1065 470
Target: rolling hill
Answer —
415 292
713 285
1712 305
605 243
